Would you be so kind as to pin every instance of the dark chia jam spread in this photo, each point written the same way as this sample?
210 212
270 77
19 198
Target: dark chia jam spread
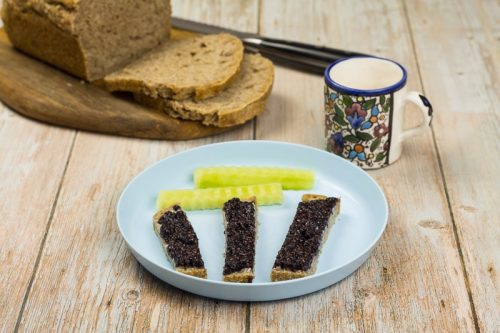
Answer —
303 241
182 242
240 235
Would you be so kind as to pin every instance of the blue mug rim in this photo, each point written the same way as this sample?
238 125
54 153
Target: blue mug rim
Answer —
365 92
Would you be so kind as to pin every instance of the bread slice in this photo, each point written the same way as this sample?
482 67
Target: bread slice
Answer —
87 38
240 225
244 99
299 254
179 241
196 67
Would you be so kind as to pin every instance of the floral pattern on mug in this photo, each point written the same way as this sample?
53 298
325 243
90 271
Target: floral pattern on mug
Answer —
357 127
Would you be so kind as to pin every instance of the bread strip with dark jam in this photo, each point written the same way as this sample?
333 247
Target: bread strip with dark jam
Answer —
298 256
240 224
179 241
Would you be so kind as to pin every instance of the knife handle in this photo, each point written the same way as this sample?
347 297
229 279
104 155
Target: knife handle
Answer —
300 56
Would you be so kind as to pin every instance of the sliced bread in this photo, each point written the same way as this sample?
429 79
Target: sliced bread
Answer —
240 228
299 254
244 99
87 38
196 68
179 241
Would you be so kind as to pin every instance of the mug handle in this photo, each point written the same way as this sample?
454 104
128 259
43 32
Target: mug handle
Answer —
425 107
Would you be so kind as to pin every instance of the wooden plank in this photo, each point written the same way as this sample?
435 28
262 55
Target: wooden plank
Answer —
239 15
413 281
464 89
33 159
88 280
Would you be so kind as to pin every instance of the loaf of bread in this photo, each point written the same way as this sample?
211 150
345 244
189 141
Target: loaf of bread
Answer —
87 38
244 99
195 68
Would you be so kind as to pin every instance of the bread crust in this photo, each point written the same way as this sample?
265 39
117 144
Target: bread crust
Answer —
193 271
280 274
34 34
244 276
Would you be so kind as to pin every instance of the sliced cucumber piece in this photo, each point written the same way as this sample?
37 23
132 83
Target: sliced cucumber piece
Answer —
212 198
290 179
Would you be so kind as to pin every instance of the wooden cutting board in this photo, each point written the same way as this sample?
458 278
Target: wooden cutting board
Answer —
44 93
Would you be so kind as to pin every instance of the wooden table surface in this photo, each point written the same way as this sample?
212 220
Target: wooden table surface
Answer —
64 267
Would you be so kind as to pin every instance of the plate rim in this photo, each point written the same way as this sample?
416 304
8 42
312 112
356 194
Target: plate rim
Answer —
256 284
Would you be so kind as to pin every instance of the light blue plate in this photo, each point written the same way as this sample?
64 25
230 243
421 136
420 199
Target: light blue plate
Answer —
362 220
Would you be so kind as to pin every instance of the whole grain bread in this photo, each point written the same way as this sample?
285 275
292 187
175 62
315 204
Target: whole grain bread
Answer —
87 38
244 99
196 67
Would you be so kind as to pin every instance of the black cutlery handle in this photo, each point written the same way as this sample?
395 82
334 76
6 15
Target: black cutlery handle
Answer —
300 56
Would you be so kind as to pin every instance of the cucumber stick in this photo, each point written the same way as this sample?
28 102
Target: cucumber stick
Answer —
220 176
212 198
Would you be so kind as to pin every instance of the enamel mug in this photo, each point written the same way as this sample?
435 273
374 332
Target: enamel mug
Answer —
365 101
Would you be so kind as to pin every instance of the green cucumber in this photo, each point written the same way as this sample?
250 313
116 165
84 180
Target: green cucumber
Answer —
220 176
212 198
